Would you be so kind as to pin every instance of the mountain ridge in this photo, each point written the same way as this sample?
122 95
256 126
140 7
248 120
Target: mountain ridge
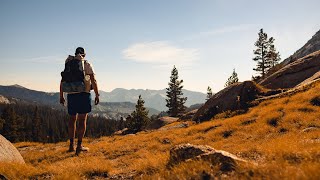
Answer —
312 45
154 99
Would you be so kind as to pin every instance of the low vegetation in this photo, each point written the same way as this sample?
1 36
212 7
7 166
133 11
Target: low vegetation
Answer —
279 137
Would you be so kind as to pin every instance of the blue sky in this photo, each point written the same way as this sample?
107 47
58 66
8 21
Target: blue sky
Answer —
134 44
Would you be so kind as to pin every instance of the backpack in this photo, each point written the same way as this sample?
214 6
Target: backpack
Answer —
73 76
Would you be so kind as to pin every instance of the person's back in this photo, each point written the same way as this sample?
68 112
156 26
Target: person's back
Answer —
78 86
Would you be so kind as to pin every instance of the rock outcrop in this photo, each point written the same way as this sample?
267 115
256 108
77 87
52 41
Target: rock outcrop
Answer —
4 100
311 46
8 153
188 115
294 73
180 153
234 97
162 121
311 79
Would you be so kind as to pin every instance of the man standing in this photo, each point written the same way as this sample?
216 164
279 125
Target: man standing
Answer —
79 100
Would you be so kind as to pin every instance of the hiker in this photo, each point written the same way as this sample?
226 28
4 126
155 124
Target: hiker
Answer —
78 79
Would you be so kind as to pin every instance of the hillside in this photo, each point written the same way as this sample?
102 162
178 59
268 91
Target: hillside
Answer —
293 74
311 46
20 93
280 139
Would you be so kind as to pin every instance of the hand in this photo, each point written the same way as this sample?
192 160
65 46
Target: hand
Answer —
62 100
96 100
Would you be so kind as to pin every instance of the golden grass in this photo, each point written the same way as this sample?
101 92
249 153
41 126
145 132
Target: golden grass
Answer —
272 135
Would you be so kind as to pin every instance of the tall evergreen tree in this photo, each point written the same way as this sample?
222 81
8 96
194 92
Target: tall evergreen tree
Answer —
10 126
209 93
263 45
232 79
139 117
175 100
36 126
273 56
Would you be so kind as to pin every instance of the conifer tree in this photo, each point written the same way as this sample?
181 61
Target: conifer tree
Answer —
175 100
121 124
209 93
9 129
273 56
232 79
36 126
139 118
263 45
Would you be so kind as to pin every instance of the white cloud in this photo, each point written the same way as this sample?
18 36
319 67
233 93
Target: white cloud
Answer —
160 53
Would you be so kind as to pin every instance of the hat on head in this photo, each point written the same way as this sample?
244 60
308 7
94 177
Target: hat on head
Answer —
80 50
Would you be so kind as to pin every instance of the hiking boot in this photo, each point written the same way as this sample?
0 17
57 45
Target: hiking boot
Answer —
71 149
81 148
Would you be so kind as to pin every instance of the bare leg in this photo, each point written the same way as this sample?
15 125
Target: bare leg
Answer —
72 130
82 118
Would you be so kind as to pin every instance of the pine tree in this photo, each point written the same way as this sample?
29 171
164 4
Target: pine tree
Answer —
139 117
121 124
9 129
232 79
273 56
209 93
175 100
263 45
37 134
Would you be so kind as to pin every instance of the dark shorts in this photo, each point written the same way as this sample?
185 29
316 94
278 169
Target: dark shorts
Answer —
79 103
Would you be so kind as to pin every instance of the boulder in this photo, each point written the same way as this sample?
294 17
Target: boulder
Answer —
234 97
188 115
8 153
311 79
162 121
181 125
186 152
121 132
294 73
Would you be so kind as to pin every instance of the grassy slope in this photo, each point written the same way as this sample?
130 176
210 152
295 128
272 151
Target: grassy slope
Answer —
270 135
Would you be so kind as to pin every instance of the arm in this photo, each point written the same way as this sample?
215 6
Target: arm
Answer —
62 100
95 88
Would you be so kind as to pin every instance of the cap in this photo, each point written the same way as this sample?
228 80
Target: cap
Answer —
80 50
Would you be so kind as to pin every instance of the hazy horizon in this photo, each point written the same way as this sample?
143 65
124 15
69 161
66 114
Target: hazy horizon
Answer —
134 44
99 89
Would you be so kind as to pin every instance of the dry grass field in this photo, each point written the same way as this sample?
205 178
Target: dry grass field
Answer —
279 137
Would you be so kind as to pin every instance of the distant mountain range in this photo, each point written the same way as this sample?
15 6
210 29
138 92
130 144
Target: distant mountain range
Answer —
153 98
115 104
20 93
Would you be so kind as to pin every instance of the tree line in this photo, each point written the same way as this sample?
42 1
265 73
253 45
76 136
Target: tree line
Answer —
39 123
